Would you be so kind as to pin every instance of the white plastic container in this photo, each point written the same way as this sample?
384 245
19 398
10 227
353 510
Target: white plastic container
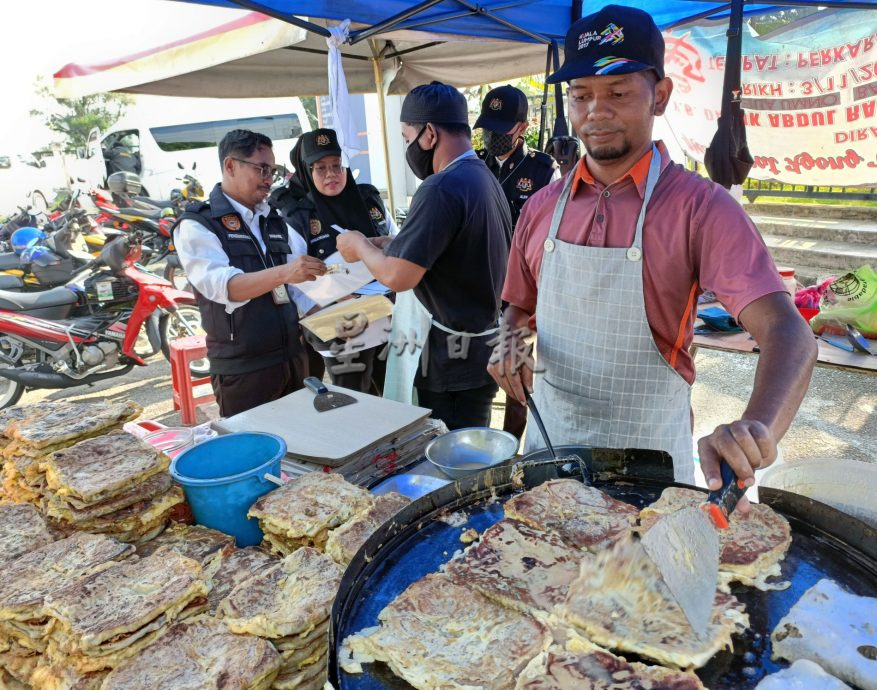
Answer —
848 485
787 273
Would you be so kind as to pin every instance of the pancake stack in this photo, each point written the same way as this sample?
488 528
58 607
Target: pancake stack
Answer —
303 511
289 605
209 547
28 581
113 484
114 613
237 567
345 541
22 529
30 433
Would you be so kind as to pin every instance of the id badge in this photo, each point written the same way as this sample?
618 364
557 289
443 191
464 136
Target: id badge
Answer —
280 295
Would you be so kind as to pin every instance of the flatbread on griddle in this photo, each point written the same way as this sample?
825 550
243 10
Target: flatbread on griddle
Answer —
237 567
22 529
584 666
751 548
518 566
581 515
801 675
620 602
120 600
344 541
289 599
101 467
437 634
69 420
835 629
200 653
305 509
28 580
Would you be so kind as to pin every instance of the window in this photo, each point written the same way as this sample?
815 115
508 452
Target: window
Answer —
198 135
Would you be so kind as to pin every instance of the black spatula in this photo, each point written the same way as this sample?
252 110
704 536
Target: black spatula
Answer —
326 399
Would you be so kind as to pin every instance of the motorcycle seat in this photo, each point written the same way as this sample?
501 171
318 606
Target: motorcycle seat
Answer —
153 213
9 261
158 203
25 301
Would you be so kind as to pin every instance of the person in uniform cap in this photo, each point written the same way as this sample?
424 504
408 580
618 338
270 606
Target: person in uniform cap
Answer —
242 262
321 197
608 263
521 173
452 251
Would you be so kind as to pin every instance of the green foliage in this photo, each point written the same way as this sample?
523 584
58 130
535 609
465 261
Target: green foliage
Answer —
75 118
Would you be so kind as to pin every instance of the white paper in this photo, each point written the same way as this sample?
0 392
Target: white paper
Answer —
376 333
333 286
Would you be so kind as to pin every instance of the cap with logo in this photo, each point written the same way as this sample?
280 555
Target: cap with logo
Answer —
502 109
435 102
615 40
318 144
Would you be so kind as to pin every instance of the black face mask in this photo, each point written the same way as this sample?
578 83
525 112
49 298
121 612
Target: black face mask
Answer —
497 144
419 160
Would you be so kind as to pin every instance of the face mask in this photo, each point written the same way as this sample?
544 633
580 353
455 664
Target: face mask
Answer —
419 160
497 144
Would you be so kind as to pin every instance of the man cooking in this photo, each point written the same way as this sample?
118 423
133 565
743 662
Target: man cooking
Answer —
237 255
608 263
452 251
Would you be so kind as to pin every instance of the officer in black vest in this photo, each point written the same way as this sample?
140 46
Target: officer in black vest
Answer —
520 172
237 255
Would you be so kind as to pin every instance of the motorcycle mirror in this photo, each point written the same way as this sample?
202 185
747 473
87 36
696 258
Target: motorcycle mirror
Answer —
180 165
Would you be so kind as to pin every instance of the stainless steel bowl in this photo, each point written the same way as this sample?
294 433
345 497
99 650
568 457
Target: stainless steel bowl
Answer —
463 452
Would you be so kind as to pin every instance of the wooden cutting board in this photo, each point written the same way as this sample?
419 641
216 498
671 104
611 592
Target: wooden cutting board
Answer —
332 437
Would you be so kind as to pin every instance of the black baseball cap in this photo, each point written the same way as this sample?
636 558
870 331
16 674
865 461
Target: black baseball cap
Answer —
435 102
318 144
502 108
615 40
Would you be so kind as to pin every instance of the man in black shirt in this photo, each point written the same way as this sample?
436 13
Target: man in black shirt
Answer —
521 172
452 250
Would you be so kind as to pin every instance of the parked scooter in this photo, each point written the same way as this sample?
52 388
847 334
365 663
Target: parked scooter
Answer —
43 346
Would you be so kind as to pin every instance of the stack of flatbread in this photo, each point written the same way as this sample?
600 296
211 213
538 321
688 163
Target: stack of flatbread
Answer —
112 484
237 567
303 511
27 582
209 547
289 604
112 614
29 433
22 529
344 541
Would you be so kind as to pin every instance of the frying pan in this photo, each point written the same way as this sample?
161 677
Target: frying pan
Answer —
825 543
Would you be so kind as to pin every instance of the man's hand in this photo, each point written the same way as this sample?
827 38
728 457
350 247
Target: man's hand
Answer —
746 445
303 269
513 382
510 363
350 245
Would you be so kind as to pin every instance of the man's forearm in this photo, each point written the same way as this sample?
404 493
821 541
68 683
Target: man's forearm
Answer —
397 274
246 286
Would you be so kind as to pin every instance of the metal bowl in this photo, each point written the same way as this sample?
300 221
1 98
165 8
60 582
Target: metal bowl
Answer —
462 452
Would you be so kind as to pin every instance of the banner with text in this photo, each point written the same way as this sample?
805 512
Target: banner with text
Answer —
809 96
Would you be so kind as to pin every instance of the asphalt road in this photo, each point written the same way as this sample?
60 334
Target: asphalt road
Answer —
838 418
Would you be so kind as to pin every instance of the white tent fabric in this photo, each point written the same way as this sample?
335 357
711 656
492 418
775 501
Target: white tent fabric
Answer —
339 106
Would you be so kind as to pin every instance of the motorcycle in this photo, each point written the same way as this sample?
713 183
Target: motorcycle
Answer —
66 337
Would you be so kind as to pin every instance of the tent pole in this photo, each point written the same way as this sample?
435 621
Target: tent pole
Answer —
288 18
543 108
391 22
379 86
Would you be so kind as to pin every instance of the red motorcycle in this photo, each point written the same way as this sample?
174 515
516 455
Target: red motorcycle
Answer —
42 347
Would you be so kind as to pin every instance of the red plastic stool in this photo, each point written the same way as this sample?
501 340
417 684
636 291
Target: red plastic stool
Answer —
184 351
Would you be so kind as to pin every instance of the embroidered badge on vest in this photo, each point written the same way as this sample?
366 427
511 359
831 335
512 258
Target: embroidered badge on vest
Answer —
322 140
231 222
316 226
524 184
495 104
375 213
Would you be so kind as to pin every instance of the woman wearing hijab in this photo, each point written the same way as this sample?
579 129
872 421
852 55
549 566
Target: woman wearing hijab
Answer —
323 194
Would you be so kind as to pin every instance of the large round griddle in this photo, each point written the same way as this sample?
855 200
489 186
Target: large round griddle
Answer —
426 534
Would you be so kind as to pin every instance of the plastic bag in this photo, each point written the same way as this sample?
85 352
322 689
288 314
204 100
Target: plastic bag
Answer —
851 299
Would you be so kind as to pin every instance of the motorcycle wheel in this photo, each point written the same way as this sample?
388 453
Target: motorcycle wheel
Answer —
177 276
185 321
10 391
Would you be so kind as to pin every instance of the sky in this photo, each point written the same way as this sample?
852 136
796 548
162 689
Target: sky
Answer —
41 36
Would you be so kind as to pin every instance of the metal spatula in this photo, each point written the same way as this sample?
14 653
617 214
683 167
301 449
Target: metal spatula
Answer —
536 474
326 399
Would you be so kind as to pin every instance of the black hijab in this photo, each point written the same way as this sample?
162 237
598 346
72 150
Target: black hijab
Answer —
346 210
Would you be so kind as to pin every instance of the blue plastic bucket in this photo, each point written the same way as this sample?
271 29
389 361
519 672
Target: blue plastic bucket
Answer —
224 476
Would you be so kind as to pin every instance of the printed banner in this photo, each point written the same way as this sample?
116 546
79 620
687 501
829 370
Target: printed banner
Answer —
809 96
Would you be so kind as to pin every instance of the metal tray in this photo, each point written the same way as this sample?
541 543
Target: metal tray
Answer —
426 534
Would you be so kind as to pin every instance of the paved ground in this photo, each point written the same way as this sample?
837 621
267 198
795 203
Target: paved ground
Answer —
838 417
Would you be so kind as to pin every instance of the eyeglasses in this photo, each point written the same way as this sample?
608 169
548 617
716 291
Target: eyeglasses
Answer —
326 170
265 170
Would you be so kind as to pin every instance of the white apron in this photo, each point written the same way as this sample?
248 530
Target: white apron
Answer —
603 382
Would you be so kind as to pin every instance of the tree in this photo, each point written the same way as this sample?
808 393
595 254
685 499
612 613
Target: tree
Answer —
74 118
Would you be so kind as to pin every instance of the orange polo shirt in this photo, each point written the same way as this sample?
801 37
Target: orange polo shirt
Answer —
695 238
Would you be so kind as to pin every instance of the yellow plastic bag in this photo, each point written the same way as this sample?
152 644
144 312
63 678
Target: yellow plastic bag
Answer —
851 299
